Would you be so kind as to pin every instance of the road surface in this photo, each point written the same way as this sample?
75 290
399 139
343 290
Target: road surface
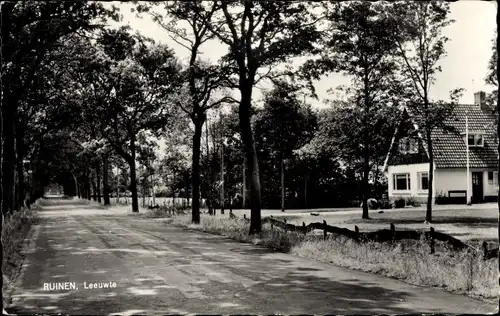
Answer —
149 267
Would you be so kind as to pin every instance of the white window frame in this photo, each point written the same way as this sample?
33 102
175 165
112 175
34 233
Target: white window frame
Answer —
419 183
475 138
408 182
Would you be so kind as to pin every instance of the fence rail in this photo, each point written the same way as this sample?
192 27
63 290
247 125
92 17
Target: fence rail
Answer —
383 235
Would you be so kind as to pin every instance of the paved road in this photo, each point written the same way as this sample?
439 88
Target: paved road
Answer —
160 269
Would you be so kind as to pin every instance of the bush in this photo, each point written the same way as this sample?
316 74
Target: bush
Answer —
400 203
15 229
440 199
412 201
385 204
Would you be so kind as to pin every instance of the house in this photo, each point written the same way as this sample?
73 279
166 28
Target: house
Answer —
407 162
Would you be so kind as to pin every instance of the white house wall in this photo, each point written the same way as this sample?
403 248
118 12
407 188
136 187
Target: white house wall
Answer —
456 179
489 189
451 180
413 170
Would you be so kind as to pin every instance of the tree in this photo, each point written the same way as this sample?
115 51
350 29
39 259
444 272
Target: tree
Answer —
418 37
359 45
284 125
260 35
202 80
138 79
146 157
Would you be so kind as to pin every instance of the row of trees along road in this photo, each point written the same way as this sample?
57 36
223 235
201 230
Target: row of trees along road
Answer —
103 93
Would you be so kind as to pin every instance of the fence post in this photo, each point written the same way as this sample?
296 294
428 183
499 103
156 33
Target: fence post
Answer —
485 249
356 229
244 216
393 231
272 225
324 230
431 241
304 227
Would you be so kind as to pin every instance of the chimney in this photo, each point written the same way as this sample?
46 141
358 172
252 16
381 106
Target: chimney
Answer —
480 100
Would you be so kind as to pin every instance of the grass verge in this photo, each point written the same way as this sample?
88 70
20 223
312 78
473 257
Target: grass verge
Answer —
15 233
409 261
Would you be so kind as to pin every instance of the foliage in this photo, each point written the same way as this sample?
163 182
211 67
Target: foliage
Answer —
412 201
400 203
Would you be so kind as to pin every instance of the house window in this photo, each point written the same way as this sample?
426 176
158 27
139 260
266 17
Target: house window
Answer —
408 145
493 178
423 181
475 140
401 182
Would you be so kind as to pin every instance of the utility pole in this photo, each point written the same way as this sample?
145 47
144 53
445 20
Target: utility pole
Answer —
467 154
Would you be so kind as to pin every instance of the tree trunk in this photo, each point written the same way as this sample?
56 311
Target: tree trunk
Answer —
186 194
195 169
21 198
498 112
428 213
305 189
105 180
244 190
252 160
9 157
98 180
21 189
282 173
89 193
143 188
173 189
366 174
133 179
75 184
94 189
1 182
222 195
208 173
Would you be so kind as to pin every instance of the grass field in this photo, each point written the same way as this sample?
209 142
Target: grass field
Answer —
471 225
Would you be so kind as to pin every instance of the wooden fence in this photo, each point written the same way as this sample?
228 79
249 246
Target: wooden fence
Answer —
383 235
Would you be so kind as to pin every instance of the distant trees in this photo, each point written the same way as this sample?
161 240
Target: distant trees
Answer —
282 126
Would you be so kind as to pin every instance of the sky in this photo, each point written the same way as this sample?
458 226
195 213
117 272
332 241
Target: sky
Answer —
465 66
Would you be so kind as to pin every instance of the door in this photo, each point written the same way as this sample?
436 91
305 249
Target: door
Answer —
477 187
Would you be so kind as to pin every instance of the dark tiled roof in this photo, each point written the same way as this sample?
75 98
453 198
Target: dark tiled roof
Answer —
450 148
